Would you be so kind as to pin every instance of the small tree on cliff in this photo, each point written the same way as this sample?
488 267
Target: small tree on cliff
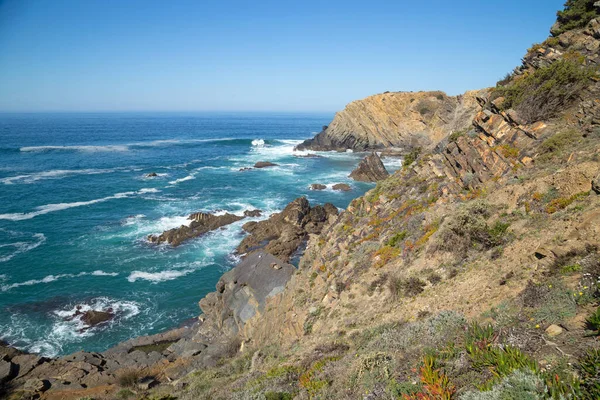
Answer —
577 14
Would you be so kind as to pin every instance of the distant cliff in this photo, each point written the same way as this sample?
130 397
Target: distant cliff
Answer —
396 119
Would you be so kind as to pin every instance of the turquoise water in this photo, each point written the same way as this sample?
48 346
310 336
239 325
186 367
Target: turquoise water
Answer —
76 207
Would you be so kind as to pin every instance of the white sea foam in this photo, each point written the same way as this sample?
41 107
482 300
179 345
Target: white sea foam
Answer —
76 148
187 178
55 174
258 142
52 278
148 190
156 277
48 208
23 247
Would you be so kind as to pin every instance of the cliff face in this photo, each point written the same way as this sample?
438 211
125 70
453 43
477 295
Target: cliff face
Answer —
396 119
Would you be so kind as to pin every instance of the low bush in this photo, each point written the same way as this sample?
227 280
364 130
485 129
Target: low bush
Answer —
593 322
411 157
129 378
522 385
589 373
546 91
394 285
576 14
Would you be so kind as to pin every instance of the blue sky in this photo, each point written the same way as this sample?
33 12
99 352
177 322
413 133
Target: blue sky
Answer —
119 55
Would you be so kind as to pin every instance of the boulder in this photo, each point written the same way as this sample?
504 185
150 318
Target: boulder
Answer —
201 224
252 213
92 317
284 232
553 330
264 164
370 169
343 187
151 175
317 186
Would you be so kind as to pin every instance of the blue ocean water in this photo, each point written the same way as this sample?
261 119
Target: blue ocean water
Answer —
76 208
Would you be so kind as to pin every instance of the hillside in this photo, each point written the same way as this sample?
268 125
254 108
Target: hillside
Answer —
472 273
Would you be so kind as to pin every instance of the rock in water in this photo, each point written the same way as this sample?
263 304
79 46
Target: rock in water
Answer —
343 187
93 318
201 224
317 186
284 232
151 175
252 213
370 169
264 164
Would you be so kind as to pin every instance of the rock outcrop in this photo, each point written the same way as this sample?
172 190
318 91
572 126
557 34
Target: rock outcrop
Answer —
201 223
341 187
284 232
370 169
396 119
264 164
317 186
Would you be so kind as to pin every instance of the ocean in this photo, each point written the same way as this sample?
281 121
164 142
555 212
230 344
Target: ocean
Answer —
76 206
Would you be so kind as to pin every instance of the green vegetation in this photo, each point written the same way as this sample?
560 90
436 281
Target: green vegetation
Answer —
589 371
576 14
593 322
411 157
546 91
556 144
397 238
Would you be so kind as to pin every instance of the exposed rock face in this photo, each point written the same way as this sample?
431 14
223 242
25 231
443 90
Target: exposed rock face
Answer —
370 169
201 224
241 295
282 233
342 187
317 186
398 119
93 318
264 164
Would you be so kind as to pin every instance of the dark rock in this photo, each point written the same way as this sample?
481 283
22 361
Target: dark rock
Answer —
8 370
264 164
241 295
245 169
253 213
317 186
147 383
596 184
284 232
26 363
370 169
201 224
151 175
93 317
342 187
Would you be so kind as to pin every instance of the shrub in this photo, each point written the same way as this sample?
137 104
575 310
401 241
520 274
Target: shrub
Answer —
278 396
413 286
129 378
522 385
546 91
411 157
589 372
397 238
576 14
554 145
395 286
385 255
593 322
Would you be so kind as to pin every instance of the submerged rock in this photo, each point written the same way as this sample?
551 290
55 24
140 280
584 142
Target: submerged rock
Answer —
343 187
284 232
201 224
370 169
264 164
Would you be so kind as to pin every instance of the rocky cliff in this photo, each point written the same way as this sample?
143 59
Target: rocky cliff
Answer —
396 119
470 273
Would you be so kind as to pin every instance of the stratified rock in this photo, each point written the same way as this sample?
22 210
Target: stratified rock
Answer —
282 233
264 164
343 187
317 186
241 295
36 385
370 169
201 224
252 213
396 119
93 317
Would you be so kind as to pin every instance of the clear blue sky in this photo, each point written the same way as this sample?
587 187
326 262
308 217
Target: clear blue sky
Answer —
101 55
